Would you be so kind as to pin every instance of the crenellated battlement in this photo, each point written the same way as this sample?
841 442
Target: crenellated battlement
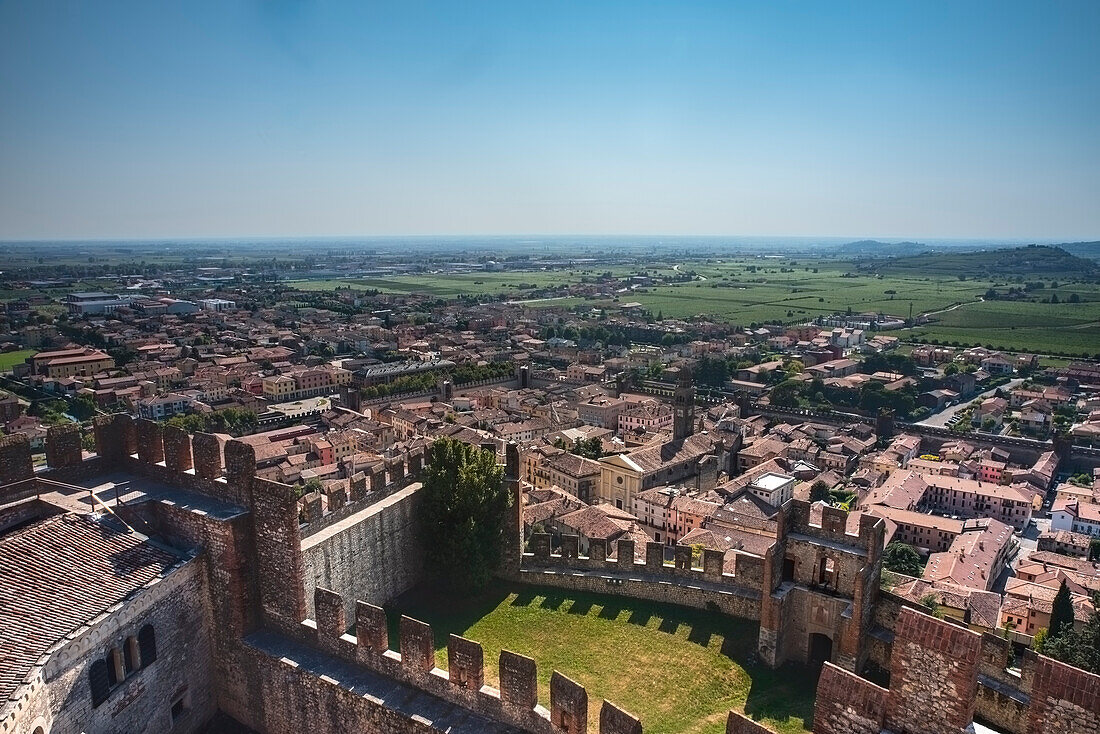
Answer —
620 557
515 702
797 517
369 484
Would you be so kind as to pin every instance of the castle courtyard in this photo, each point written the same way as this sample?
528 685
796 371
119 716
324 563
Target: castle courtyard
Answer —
677 669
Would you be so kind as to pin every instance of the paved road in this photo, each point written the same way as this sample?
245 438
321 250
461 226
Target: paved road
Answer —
939 420
951 308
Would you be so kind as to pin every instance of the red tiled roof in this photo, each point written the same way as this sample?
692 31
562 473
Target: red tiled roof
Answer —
60 573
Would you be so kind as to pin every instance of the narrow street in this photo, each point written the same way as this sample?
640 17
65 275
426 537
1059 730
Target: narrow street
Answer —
939 420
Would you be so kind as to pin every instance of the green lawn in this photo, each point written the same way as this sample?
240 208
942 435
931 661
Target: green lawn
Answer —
10 359
678 670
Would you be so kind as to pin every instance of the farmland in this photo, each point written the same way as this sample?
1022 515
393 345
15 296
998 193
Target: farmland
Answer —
755 290
452 285
1070 328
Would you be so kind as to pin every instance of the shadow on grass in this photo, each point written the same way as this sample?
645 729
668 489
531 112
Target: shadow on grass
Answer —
553 601
669 625
611 609
785 693
640 616
524 597
447 614
777 694
581 607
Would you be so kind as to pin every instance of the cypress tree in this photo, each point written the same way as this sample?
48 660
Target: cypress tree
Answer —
1061 616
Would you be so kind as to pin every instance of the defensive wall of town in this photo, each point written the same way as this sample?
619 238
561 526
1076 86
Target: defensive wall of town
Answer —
787 590
618 573
275 668
283 662
1021 448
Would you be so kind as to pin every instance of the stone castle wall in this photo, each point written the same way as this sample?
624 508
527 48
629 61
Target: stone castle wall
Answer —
374 554
320 669
280 660
679 582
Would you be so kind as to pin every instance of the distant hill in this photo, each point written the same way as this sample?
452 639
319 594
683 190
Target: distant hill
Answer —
1041 261
1091 250
874 248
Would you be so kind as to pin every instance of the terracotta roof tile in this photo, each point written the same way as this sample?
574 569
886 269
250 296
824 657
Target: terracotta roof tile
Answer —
60 573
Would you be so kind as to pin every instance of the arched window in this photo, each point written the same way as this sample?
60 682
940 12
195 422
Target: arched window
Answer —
99 677
147 645
130 657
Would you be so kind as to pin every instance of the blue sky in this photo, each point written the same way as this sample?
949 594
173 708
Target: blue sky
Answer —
778 117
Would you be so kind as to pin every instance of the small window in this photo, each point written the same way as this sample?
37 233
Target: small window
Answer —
147 645
179 708
99 678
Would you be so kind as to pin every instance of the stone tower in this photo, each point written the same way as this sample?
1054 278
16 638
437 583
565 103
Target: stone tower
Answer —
683 406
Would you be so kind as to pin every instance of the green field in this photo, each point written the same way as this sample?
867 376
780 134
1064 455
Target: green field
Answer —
748 290
742 296
1072 328
451 285
678 670
10 359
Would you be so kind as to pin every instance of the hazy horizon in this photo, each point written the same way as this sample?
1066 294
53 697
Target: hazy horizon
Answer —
518 241
231 120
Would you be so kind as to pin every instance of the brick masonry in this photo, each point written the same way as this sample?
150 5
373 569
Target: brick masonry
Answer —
848 704
740 724
150 441
373 555
177 449
63 446
1064 699
15 459
933 676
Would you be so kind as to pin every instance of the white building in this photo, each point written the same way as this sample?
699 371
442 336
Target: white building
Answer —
163 406
1076 516
773 488
217 304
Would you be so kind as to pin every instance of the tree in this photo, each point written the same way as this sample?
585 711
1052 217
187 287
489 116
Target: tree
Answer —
1061 615
785 394
313 484
83 407
902 558
819 491
932 601
589 448
462 508
1078 647
1094 549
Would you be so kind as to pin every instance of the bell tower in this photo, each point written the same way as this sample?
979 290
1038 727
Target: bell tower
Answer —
683 406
